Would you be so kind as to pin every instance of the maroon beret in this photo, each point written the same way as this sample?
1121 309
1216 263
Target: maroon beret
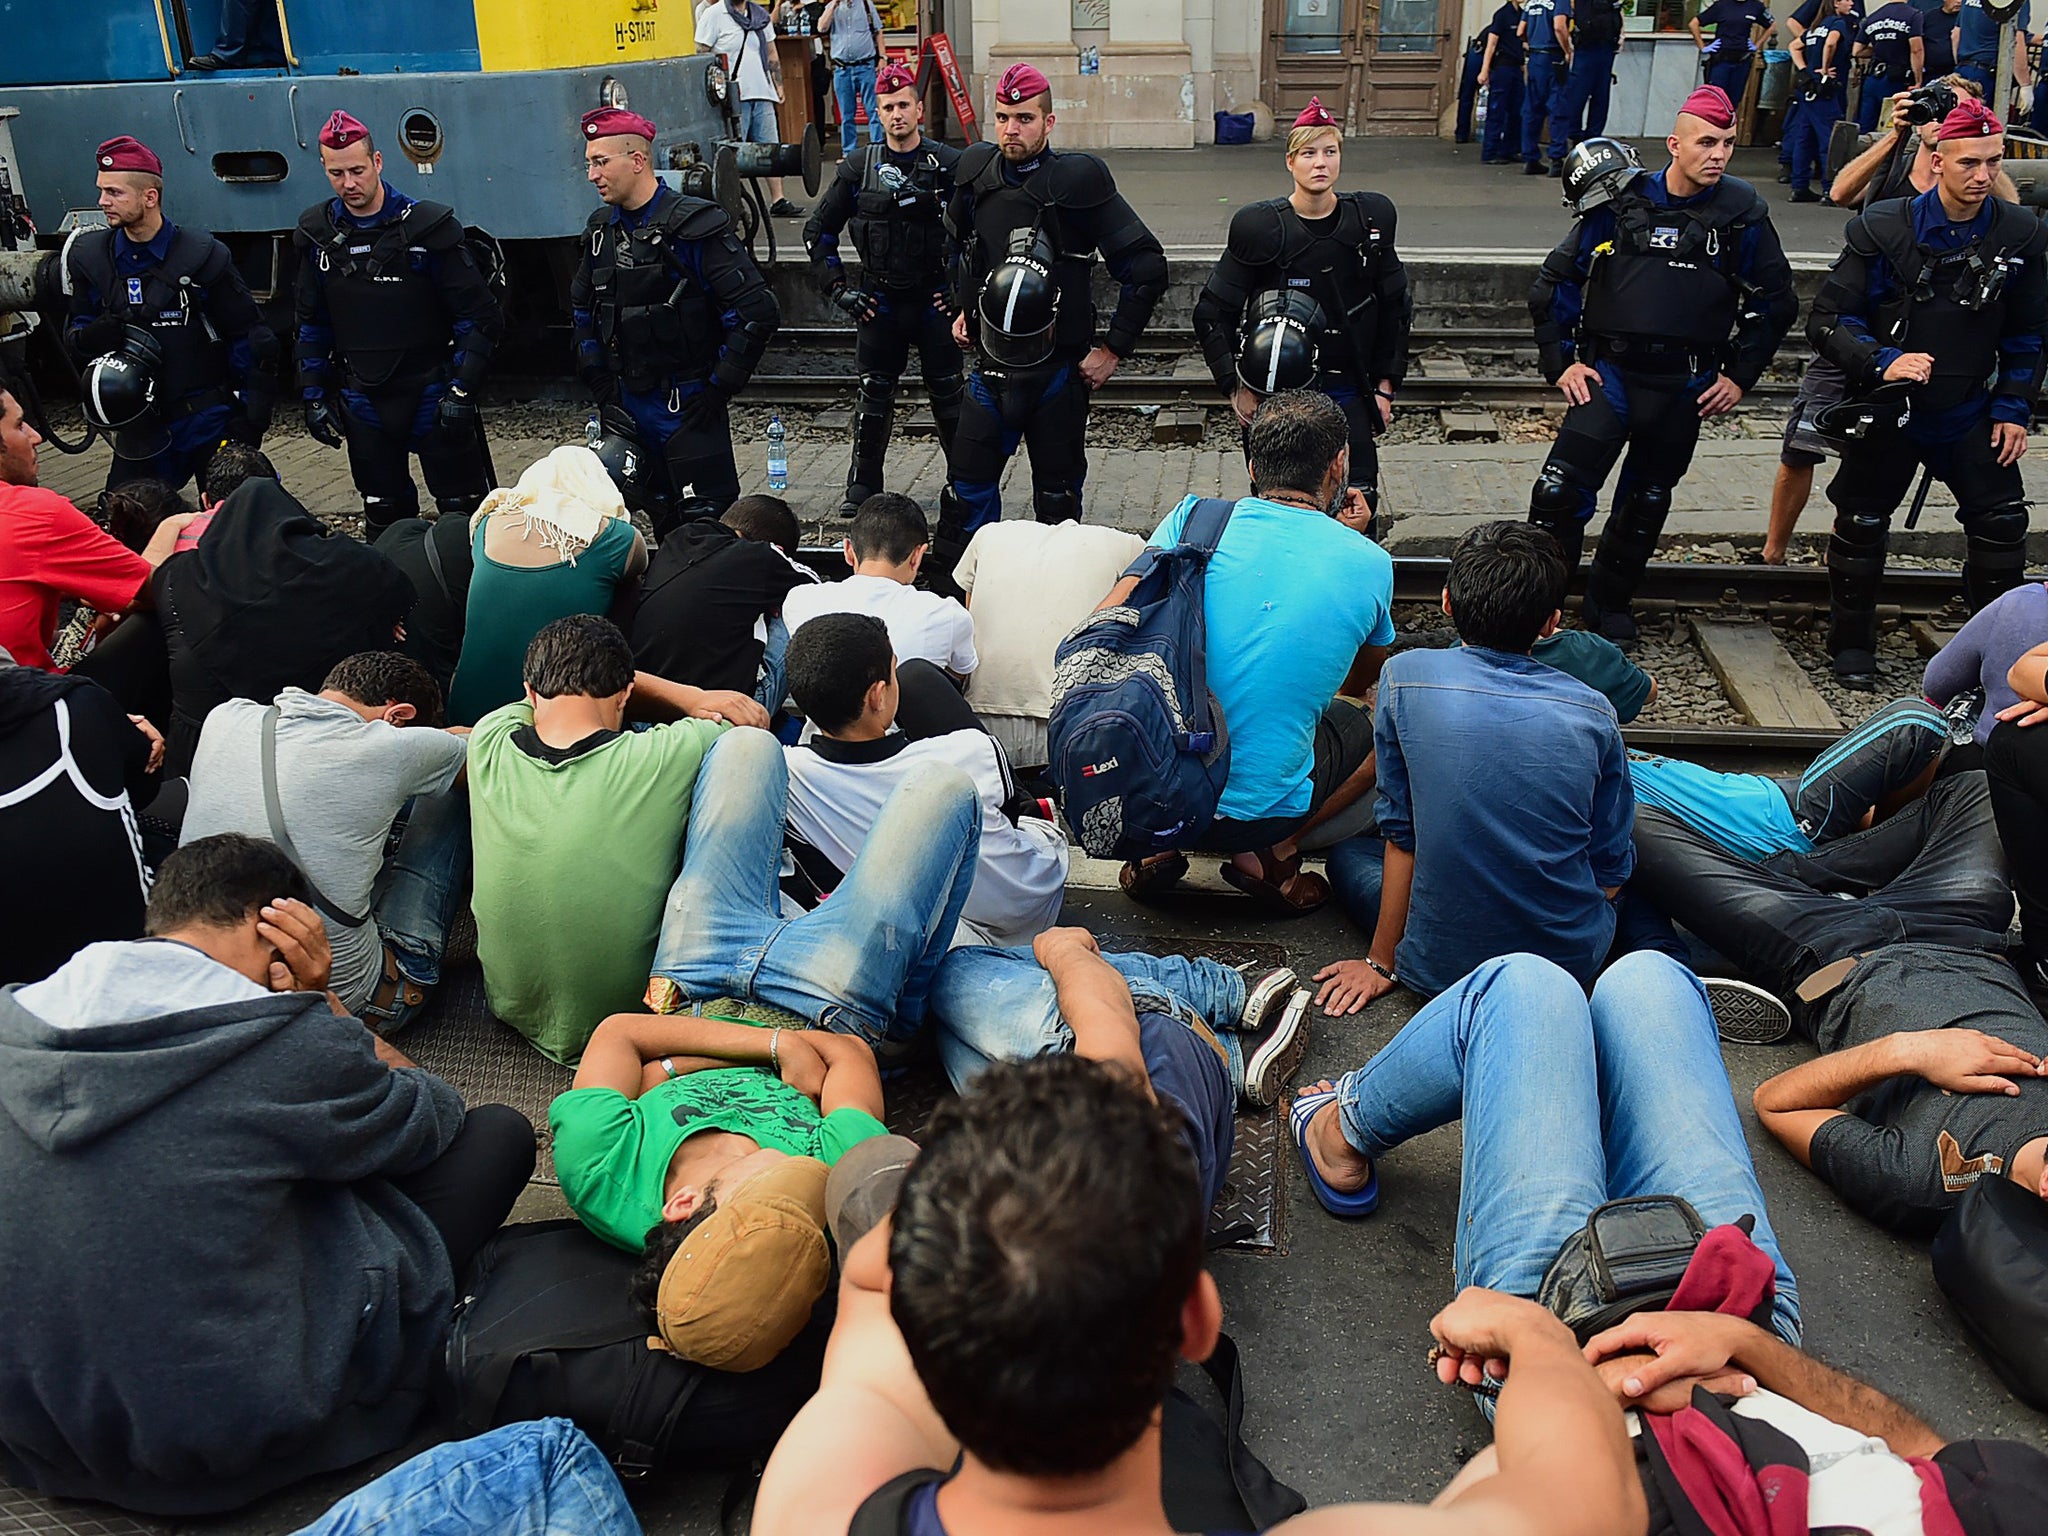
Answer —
607 121
126 154
1021 82
342 130
893 77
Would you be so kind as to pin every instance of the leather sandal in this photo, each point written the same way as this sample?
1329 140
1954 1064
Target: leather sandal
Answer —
1140 878
1270 886
395 993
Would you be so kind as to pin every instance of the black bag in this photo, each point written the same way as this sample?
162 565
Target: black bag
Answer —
1209 1478
546 1327
1628 1258
1991 1261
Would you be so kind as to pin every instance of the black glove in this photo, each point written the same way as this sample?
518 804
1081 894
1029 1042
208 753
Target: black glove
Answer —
96 338
603 385
853 302
1809 82
457 412
705 409
321 424
241 428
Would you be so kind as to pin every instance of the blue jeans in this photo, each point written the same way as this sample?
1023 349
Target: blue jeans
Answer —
421 887
773 688
862 962
1582 100
541 1478
1000 1004
758 123
1979 70
1546 76
1503 113
853 85
1566 1104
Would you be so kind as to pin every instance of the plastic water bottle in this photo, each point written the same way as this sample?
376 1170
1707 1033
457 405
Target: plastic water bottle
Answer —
778 455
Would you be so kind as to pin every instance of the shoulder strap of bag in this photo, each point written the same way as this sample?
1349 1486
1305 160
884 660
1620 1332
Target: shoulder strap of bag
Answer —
434 565
1266 1499
1206 521
278 835
883 1512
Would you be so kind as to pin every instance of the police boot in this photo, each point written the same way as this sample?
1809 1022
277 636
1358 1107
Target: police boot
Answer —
379 513
873 419
1554 506
1625 548
949 543
1056 506
1994 553
946 394
1855 564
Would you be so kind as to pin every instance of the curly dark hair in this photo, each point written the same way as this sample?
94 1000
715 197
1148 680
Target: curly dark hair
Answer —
1045 1243
663 1239
135 508
378 678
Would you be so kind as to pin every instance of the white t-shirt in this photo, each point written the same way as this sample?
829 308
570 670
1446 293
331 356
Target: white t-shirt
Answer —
719 32
1028 584
921 624
341 782
837 789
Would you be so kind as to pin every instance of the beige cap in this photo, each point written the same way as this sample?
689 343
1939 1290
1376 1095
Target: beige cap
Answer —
742 1285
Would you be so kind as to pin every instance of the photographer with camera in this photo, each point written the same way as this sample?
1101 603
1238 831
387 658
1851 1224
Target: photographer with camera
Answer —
1899 162
1941 292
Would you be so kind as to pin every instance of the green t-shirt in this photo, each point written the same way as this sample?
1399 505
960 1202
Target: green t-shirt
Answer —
612 1153
574 858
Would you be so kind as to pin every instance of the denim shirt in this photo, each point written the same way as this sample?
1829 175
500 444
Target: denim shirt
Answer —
1508 782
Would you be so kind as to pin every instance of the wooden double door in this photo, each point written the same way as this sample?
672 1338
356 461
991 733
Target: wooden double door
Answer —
1380 66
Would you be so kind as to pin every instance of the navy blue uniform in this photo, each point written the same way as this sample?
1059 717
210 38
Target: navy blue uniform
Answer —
1816 98
1727 57
1974 296
1977 47
393 311
1546 78
1658 294
1890 31
216 374
1504 84
1937 38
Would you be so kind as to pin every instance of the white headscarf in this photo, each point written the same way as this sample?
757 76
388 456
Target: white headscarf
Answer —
567 498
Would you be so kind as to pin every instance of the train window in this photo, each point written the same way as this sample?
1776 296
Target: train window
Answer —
419 134
243 167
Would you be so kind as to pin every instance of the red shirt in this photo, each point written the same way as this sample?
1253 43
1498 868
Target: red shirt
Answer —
49 550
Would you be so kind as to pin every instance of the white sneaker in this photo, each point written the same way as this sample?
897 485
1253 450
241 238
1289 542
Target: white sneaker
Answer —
1746 1015
1275 1056
1262 994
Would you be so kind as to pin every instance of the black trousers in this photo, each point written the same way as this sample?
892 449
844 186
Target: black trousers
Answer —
904 321
383 430
928 704
1045 409
2016 764
1878 472
469 1190
1931 874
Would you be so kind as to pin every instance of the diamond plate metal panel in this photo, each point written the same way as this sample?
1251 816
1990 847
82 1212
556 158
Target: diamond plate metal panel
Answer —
27 1514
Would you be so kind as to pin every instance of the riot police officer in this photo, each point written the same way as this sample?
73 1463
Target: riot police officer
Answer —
177 356
396 322
670 316
891 197
1321 264
1661 308
1940 292
1029 222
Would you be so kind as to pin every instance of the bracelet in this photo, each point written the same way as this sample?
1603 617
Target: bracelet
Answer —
1382 970
668 1065
1385 394
775 1056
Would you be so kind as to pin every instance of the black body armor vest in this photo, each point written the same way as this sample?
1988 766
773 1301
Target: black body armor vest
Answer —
655 320
896 225
168 302
1950 304
1668 280
390 325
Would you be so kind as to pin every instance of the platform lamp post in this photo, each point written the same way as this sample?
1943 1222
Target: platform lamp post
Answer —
2006 14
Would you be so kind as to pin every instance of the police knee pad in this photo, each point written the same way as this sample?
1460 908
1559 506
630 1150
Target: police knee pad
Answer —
1558 506
380 512
1646 508
949 543
1056 506
947 390
877 394
1994 552
1859 539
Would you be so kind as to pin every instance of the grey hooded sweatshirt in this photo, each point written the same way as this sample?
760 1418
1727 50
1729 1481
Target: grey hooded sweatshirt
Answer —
211 1289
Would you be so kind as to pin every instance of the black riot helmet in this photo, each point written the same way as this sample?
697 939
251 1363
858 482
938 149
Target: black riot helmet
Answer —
1596 172
1020 304
120 390
615 440
1277 347
1887 408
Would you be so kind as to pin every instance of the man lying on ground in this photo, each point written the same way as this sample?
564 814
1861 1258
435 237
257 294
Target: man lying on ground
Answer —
231 1219
704 1144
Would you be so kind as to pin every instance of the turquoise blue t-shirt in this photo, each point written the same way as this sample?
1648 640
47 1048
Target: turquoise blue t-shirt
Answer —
1746 813
1292 595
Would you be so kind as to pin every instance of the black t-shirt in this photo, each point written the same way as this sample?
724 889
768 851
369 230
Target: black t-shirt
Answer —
1508 50
1938 38
1998 1487
1906 1151
700 616
76 864
437 559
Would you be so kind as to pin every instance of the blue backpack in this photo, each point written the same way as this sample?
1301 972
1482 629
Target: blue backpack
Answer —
1136 743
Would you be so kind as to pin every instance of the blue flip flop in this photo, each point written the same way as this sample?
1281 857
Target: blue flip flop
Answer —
1349 1206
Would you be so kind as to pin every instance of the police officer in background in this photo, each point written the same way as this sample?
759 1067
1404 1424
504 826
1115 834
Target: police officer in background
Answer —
1661 308
670 317
1890 39
177 357
1740 28
396 325
891 197
1940 292
1028 222
1820 65
1318 266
